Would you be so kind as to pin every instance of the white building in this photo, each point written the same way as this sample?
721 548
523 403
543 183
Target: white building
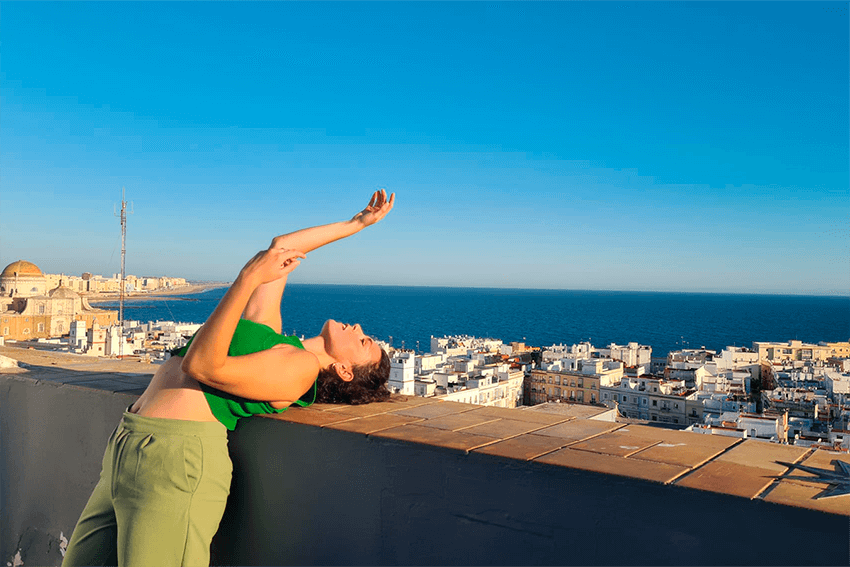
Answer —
461 345
96 341
631 354
78 337
765 427
837 382
424 387
738 358
112 342
502 390
402 373
426 363
730 382
576 352
650 399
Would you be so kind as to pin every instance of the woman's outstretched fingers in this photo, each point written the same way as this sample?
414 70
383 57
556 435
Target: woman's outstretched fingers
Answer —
377 208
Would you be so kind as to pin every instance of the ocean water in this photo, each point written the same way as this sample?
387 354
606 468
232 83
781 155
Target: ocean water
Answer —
411 315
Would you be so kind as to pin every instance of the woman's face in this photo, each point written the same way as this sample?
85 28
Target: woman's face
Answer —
348 343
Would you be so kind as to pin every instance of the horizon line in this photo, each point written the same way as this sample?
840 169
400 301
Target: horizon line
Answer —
774 293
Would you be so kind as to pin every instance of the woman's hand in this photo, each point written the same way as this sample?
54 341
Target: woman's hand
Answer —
377 208
270 265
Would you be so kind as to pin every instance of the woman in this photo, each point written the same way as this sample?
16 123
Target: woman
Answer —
166 471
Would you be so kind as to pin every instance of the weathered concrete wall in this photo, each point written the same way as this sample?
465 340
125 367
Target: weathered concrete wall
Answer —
304 495
52 438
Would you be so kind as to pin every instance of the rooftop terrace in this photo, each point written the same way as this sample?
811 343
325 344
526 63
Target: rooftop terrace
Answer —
420 481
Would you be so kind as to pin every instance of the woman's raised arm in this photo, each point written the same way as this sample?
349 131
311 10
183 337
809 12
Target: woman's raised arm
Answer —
309 239
264 305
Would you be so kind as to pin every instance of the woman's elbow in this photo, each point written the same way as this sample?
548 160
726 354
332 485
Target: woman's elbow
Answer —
202 370
193 367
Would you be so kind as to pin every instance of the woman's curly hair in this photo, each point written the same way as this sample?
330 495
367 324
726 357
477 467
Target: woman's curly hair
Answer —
368 385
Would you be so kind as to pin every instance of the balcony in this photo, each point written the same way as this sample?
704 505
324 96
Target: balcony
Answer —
416 481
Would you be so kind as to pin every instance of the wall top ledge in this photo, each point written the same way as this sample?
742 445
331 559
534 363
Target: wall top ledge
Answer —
756 470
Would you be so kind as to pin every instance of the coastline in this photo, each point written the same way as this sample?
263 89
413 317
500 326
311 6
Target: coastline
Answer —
137 295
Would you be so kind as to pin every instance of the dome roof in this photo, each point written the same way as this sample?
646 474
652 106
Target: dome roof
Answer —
62 292
22 268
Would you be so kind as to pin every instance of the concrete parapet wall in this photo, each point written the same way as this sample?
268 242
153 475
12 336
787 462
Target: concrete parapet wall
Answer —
305 494
308 495
52 438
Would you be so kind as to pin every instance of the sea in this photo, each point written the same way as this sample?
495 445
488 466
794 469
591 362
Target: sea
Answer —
408 317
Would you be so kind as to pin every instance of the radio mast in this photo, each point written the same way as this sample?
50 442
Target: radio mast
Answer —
123 216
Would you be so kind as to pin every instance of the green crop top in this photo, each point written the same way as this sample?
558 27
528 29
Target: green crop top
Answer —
249 337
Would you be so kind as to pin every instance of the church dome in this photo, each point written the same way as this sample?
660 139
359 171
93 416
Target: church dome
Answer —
22 268
62 292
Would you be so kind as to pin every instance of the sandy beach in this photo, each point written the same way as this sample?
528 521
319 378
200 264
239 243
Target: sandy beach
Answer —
137 295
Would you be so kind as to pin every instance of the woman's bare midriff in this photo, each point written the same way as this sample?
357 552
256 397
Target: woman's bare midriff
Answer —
173 395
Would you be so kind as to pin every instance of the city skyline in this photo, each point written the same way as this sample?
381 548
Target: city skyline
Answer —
694 147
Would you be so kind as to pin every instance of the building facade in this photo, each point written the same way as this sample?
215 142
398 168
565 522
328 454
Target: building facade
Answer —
651 399
29 311
566 386
794 350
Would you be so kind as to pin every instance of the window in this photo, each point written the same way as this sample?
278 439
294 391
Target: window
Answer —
41 327
677 406
644 401
655 403
604 396
5 330
41 309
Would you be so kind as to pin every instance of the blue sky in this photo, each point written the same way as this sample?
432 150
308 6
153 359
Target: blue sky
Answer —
681 146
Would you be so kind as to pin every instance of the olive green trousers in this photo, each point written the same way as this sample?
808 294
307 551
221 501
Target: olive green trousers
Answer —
160 498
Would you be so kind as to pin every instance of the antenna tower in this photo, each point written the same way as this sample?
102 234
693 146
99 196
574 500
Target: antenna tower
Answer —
123 216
